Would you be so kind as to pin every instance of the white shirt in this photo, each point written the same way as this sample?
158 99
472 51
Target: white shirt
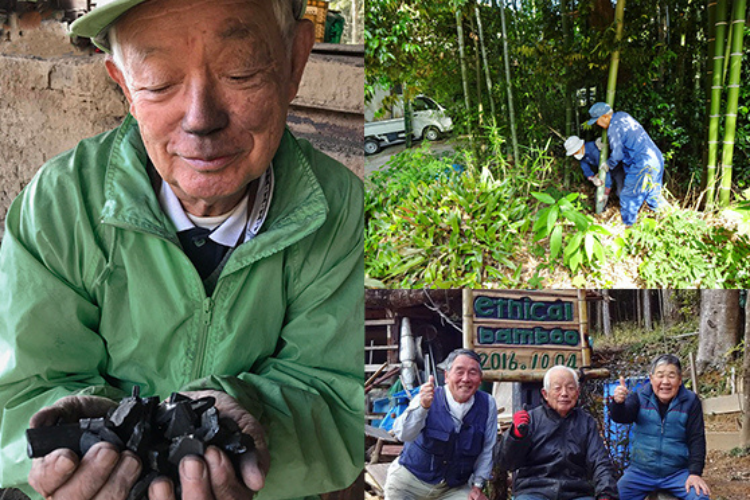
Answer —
227 228
410 423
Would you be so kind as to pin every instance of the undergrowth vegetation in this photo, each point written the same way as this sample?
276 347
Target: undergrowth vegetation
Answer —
467 220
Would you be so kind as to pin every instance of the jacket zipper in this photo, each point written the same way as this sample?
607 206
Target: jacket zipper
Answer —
208 303
200 353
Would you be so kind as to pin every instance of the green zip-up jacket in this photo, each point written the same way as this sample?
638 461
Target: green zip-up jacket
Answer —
96 296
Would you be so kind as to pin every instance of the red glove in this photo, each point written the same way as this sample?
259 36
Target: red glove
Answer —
521 424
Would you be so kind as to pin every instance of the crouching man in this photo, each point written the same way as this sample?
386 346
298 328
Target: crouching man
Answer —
449 433
555 449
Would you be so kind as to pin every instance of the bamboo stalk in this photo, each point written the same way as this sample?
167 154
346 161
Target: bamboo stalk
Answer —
715 107
611 86
511 113
486 65
464 79
733 94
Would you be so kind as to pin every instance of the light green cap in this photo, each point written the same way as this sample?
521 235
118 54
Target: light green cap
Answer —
95 23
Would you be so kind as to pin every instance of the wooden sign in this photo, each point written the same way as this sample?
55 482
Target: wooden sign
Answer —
520 334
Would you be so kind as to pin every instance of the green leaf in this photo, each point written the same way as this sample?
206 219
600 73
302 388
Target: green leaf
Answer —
552 218
577 218
541 222
406 266
599 251
589 245
544 198
573 244
575 260
555 242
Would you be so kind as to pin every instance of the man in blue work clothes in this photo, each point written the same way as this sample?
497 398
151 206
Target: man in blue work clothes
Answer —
449 433
641 159
588 154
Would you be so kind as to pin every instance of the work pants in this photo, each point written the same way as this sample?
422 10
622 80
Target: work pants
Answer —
642 183
403 485
636 484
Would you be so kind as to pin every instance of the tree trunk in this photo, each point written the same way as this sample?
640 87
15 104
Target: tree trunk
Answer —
606 321
668 309
601 200
719 326
464 79
647 310
486 64
745 432
717 70
408 123
511 113
730 124
638 309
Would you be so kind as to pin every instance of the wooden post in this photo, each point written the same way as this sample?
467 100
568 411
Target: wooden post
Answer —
468 310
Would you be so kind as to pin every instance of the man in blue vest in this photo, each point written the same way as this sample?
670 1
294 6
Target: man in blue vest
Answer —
449 433
555 449
641 158
668 447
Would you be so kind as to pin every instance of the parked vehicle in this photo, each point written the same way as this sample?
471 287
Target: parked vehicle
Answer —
429 121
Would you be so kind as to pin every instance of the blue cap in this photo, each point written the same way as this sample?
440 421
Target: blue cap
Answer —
597 110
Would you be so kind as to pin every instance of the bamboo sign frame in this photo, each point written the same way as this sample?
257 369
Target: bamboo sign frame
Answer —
519 334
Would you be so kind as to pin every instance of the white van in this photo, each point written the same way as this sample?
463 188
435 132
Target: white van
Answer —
429 121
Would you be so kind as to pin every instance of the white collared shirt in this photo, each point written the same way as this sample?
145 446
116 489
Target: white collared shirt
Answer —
227 228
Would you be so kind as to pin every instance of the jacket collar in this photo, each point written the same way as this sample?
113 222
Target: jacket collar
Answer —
297 210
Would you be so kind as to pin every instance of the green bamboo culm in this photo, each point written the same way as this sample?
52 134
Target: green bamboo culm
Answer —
614 64
511 113
733 94
460 34
486 64
720 29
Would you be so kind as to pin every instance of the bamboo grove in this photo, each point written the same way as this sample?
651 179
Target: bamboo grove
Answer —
531 69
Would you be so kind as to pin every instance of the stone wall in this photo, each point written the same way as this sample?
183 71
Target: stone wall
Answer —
52 95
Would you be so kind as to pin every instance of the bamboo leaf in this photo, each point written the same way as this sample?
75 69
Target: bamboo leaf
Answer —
552 218
577 218
555 242
544 198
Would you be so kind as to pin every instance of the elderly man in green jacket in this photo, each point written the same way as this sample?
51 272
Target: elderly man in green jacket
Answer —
199 247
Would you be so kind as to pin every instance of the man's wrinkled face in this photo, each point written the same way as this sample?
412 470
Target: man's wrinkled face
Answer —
209 82
604 120
665 382
463 378
563 392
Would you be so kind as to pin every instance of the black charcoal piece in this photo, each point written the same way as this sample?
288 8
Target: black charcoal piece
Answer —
182 421
201 405
184 446
89 439
111 436
158 459
209 426
43 440
91 424
140 439
160 434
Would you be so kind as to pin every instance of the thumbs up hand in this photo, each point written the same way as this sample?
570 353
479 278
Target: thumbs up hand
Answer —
427 393
621 392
